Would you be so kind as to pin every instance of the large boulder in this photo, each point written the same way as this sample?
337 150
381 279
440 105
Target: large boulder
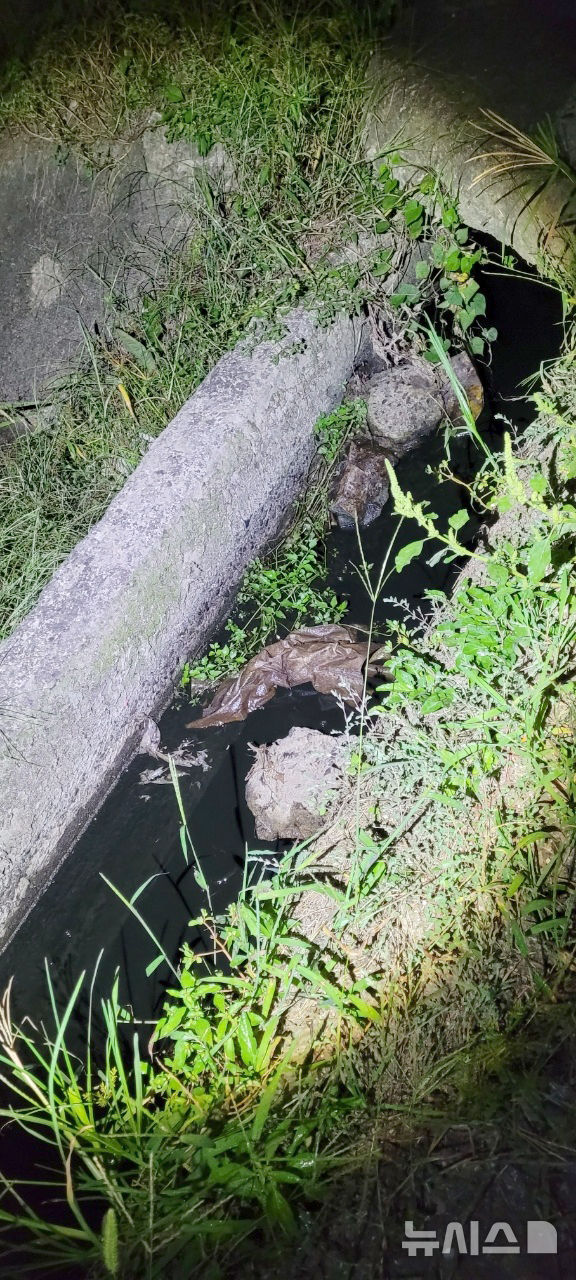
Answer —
294 782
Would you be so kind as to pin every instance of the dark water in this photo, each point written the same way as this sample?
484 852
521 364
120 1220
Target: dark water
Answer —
136 836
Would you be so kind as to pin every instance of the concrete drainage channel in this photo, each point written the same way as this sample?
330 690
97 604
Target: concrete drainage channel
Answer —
149 584
130 852
134 839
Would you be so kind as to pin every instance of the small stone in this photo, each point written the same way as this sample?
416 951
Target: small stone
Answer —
293 783
362 485
150 743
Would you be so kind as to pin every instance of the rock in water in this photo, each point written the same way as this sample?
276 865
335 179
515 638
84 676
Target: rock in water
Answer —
293 782
362 485
407 402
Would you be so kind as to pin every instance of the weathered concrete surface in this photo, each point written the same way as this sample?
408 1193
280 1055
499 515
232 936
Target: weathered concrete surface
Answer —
53 219
146 587
178 163
434 123
69 238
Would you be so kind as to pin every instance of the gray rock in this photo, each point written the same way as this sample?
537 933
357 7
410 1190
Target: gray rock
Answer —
405 403
362 485
294 782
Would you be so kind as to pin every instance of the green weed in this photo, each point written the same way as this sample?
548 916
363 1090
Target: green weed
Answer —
283 95
441 974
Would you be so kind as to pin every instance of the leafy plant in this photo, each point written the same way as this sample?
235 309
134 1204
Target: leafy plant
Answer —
441 975
191 1147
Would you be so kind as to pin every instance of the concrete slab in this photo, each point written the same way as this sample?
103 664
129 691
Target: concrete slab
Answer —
146 587
53 217
67 237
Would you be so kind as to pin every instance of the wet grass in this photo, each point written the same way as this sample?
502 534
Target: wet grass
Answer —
440 994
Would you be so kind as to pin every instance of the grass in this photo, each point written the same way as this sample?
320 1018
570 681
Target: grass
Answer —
57 482
243 262
282 91
540 160
438 994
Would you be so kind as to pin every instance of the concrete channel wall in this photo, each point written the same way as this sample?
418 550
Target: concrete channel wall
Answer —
146 587
438 126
